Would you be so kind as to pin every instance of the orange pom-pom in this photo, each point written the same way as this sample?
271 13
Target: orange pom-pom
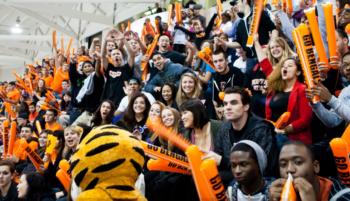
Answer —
347 29
221 95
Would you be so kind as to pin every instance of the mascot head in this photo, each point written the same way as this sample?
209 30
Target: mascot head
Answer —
106 165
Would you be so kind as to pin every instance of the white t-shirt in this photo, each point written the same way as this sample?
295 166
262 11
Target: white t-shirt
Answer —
125 101
242 197
242 65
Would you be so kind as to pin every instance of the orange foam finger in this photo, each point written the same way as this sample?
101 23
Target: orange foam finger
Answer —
167 166
5 137
303 42
340 149
282 120
211 173
316 35
194 156
176 139
13 136
258 8
158 152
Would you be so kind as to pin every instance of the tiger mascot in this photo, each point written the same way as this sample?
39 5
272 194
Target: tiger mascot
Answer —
106 166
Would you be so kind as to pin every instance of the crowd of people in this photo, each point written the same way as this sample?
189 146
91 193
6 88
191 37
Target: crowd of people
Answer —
227 108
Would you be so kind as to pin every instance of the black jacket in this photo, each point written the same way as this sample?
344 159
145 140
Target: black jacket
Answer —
257 130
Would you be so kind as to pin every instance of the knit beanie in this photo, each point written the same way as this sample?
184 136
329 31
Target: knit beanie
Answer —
260 153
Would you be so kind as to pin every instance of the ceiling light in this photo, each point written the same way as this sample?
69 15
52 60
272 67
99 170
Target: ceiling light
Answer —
16 29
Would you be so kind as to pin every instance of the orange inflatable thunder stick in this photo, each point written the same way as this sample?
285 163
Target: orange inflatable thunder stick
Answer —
303 42
330 27
54 40
282 120
13 133
258 8
50 149
29 150
167 166
206 55
205 188
160 153
288 191
170 11
62 174
5 137
316 35
38 126
149 52
340 149
178 14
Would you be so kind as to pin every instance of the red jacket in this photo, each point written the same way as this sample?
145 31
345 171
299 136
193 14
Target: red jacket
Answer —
301 113
298 106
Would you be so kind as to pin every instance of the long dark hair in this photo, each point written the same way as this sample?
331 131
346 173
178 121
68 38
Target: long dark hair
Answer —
129 116
97 120
200 115
36 187
173 92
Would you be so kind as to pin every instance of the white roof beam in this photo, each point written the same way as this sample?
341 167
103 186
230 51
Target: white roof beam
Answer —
10 52
6 59
42 19
63 11
84 1
25 37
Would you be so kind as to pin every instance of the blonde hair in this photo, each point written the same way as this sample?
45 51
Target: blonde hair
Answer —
174 128
181 96
287 51
77 129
